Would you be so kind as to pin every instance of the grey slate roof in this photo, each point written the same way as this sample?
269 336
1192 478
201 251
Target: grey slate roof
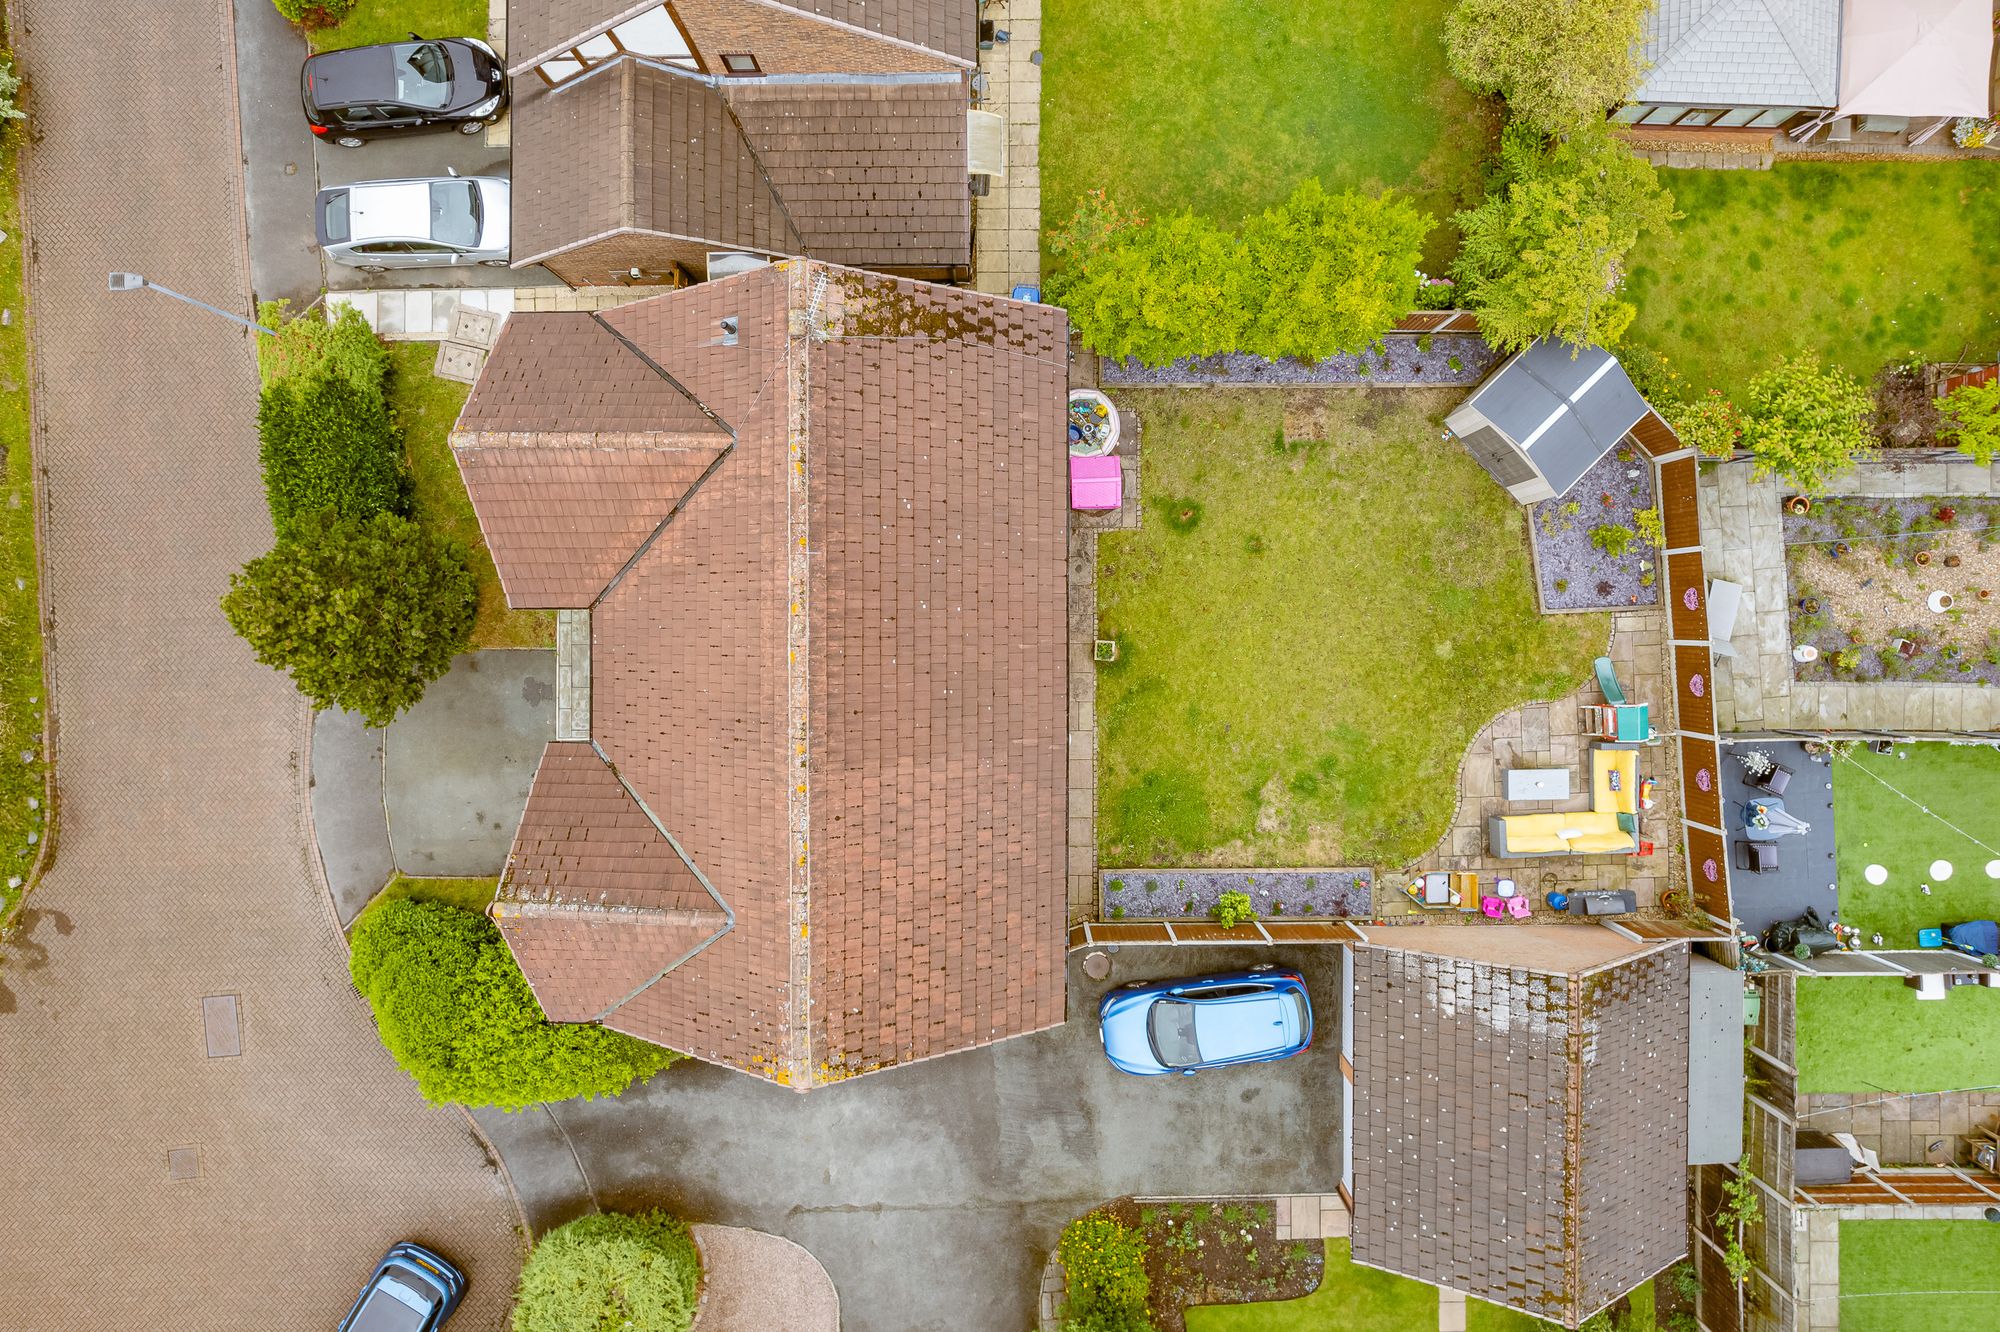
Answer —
1743 53
1567 406
1520 1135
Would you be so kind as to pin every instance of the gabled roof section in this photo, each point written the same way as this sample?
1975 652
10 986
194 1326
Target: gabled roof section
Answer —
948 27
1743 53
1564 406
574 450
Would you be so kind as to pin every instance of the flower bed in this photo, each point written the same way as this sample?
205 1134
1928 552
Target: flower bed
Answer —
1571 534
1217 1252
1188 894
1862 573
1428 360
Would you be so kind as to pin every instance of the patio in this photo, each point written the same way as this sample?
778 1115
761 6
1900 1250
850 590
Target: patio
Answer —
1805 876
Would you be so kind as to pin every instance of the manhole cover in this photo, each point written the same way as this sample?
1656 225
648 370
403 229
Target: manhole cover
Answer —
1096 966
221 1027
183 1163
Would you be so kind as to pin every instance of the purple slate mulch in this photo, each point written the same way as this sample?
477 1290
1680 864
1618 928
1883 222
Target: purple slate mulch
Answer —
1407 360
1563 551
1277 894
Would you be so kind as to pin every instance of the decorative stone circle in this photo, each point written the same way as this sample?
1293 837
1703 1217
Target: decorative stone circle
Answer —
1993 869
1697 686
1703 780
1708 869
1940 870
1875 874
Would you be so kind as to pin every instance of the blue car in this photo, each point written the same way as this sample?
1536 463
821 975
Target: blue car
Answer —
412 1290
1183 1026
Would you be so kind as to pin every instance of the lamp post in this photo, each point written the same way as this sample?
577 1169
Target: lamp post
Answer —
134 281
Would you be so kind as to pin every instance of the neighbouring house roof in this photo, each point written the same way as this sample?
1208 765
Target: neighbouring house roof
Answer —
536 28
1520 1131
1917 58
1564 406
828 687
868 171
1743 53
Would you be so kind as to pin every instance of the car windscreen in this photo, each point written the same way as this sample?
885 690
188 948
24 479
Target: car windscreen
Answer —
1172 1030
455 212
423 74
383 1312
333 222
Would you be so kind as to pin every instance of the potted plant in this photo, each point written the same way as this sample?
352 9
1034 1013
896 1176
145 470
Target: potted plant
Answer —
1756 763
1841 548
1107 649
1798 504
1953 561
1944 513
1923 557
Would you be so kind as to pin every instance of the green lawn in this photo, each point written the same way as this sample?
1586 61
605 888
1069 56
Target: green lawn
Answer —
466 894
1905 811
1861 263
425 407
1918 1276
1876 1035
1222 106
1349 1296
21 711
1640 1317
1325 603
394 20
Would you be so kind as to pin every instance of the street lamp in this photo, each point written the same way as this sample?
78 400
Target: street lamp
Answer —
134 281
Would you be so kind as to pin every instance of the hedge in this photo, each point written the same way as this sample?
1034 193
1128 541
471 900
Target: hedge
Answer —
328 445
610 1273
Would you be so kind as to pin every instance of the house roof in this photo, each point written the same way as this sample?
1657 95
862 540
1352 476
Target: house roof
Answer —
537 28
832 679
1565 406
1519 1131
1743 53
861 170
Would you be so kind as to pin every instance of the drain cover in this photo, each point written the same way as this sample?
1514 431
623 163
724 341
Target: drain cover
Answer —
220 1025
183 1163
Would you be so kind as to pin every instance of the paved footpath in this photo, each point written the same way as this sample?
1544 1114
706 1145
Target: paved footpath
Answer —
182 870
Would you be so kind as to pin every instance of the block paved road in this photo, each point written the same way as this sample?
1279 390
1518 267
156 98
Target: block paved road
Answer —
183 866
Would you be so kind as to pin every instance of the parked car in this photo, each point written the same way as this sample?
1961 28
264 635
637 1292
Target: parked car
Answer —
358 94
1183 1026
433 222
412 1290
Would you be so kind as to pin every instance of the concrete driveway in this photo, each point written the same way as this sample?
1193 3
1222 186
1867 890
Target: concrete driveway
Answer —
932 1193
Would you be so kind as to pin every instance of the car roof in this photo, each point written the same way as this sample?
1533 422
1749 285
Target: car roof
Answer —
357 74
1244 1025
389 210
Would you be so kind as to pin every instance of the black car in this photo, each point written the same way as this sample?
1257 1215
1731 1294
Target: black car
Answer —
354 95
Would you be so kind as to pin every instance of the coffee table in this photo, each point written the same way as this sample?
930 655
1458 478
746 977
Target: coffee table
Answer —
1538 783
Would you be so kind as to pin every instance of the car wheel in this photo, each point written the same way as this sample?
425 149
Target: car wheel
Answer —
472 127
493 263
372 268
350 141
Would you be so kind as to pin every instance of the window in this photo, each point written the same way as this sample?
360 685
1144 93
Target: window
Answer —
735 63
1775 116
455 213
423 74
1742 115
1171 1027
1700 117
655 34
1664 115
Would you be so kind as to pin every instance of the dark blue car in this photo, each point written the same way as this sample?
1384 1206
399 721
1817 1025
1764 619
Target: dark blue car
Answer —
412 1290
1183 1026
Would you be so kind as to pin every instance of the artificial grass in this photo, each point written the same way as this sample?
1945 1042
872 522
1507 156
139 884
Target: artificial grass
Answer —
1860 263
1918 1276
1325 603
1222 106
394 20
1349 1296
425 406
1868 1034
1879 818
21 687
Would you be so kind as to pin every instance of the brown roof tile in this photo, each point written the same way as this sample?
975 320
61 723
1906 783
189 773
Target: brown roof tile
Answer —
582 962
949 27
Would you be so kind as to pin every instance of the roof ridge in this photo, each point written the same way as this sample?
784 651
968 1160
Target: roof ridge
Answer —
798 363
656 915
1572 1143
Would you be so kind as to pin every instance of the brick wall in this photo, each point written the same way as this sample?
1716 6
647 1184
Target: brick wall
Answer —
786 43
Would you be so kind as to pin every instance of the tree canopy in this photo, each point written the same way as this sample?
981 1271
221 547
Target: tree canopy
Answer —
610 1273
1560 64
1972 420
1806 422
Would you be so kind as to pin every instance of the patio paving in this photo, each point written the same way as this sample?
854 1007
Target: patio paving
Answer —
1805 876
1007 221
1902 1128
1743 541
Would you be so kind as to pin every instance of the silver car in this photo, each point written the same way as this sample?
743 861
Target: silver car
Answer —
438 222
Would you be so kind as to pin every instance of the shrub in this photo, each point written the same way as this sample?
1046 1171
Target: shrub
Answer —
1806 422
610 1273
327 445
1972 420
1104 1267
315 14
1231 910
1651 530
1544 255
454 1010
1709 424
1614 539
310 345
10 90
1330 272
1560 64
363 613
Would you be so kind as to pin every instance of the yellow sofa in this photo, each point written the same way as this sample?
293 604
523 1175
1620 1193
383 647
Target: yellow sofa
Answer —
1609 827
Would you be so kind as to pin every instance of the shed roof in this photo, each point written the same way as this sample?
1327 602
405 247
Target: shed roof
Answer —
1565 406
833 679
1743 53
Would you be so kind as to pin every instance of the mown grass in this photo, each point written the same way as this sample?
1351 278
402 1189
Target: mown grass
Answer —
425 407
1917 1276
1349 1296
1222 106
1869 1035
22 707
1861 263
466 894
1324 605
394 20
1906 811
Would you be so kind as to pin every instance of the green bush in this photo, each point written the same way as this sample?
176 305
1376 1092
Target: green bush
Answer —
453 1008
1231 910
328 445
363 613
310 346
315 14
1332 272
610 1273
10 90
1806 422
1559 63
1709 424
1104 1269
1972 420
1614 539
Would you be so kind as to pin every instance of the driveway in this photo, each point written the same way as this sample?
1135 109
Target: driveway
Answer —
933 1193
160 1171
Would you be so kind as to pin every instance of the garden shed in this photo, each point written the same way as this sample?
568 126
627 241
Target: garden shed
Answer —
1546 416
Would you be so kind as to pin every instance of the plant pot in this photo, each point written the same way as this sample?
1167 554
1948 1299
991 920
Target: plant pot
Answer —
1985 594
1922 557
1940 602
1903 647
1953 561
1841 548
1798 504
1107 649
1810 605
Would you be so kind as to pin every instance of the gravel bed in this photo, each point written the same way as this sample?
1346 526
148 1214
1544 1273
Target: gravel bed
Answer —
1407 360
1278 894
1576 575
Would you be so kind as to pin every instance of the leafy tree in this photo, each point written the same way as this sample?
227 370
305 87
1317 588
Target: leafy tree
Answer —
309 345
1334 271
363 612
453 1008
1159 291
1560 64
328 445
1972 420
1807 422
1544 255
610 1273
1710 424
